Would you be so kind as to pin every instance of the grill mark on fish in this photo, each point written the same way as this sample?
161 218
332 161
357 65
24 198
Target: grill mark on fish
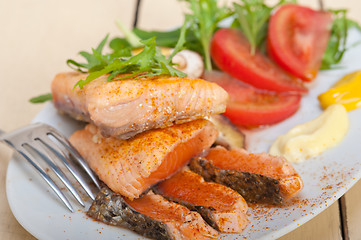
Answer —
253 187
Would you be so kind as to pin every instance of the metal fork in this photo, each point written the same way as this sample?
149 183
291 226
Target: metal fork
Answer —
40 141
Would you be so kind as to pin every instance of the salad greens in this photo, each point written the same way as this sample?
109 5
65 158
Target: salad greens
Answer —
253 15
204 18
149 62
96 60
201 22
337 44
252 18
131 38
41 98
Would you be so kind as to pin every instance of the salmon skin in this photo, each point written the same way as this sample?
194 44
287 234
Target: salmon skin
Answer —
239 160
129 167
110 208
221 207
124 108
151 215
255 188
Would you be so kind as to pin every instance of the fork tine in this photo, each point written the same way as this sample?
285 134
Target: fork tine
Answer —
57 171
48 180
76 155
60 154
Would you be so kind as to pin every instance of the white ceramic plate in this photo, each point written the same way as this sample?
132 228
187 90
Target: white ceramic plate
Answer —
326 177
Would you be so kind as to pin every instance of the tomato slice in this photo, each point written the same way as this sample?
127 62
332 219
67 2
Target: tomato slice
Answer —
251 107
230 50
297 39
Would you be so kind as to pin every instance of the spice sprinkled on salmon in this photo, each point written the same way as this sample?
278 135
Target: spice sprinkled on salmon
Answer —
130 167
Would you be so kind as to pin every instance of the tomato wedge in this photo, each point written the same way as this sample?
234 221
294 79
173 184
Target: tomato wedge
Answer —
297 39
251 107
230 50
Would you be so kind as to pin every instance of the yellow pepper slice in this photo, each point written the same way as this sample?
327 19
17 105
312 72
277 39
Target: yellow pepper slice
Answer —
346 91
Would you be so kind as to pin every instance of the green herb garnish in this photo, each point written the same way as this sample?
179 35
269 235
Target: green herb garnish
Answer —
252 17
131 38
42 98
204 18
337 44
170 38
96 60
149 62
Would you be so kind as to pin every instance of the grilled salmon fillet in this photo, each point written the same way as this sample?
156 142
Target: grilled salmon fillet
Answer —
127 107
129 167
221 207
290 183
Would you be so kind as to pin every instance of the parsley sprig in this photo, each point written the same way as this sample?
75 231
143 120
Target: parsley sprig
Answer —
149 62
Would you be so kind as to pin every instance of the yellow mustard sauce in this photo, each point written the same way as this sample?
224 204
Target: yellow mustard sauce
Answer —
346 91
314 137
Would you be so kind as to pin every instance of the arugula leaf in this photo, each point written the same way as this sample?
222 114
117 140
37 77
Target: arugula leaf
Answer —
252 17
149 62
170 38
132 38
96 60
181 40
42 98
164 39
204 17
337 44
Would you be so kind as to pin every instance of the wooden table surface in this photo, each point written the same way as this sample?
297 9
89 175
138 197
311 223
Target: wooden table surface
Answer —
38 36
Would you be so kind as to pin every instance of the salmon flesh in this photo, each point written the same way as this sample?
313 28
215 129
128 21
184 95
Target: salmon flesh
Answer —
124 108
151 215
129 167
222 208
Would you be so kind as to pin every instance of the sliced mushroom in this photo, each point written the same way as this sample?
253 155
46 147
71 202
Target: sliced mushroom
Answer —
229 135
189 62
